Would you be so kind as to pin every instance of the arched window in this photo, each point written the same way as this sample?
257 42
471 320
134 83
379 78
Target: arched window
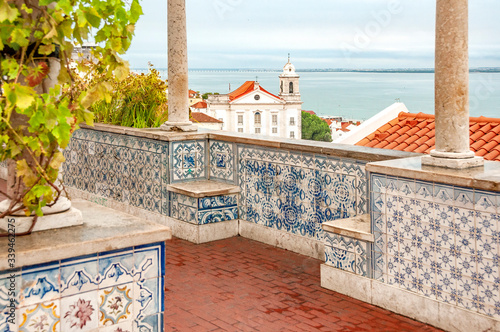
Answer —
257 118
290 90
281 86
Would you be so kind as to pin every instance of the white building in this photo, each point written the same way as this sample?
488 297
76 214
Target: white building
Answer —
252 109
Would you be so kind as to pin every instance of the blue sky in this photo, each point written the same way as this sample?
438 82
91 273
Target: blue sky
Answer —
317 33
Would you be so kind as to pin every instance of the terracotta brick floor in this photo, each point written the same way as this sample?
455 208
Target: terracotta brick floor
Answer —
242 285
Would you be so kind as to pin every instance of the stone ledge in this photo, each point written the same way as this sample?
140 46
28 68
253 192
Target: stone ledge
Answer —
203 188
356 227
104 229
483 178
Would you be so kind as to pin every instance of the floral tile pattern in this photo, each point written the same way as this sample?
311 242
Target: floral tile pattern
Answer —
437 240
206 210
109 291
42 317
347 254
80 312
128 170
297 192
188 160
115 304
222 158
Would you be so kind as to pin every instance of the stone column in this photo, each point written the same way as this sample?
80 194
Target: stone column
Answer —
178 89
452 88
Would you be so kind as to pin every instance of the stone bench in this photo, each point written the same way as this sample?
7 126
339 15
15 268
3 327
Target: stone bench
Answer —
205 210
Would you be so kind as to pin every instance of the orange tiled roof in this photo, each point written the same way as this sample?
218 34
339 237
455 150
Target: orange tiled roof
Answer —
246 88
328 121
200 104
202 117
416 133
310 112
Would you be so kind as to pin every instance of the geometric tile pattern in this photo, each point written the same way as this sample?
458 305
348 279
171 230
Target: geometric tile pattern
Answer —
101 292
188 161
206 210
297 192
222 158
127 169
437 240
348 254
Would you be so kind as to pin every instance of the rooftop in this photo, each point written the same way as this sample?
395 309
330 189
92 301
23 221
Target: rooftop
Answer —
203 118
246 88
412 132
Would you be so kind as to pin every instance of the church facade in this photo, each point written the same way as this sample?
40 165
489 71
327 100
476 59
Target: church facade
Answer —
251 109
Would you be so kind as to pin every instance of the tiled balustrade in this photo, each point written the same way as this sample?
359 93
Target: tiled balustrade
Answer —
205 210
102 292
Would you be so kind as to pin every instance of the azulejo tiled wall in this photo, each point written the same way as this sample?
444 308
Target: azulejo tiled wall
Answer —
297 192
348 254
110 291
206 210
188 161
437 240
222 157
127 169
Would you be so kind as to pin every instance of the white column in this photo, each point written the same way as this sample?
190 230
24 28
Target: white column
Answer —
178 88
452 88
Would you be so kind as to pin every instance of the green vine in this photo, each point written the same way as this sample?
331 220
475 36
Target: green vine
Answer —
41 100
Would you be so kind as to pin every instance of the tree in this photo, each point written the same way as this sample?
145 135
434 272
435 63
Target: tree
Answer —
314 128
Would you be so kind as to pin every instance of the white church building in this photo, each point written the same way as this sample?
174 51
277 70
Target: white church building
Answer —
252 109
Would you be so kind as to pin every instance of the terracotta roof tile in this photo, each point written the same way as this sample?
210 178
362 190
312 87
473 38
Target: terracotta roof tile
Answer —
416 133
200 104
202 117
246 88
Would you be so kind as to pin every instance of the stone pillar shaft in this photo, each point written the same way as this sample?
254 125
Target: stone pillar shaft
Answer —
452 77
452 87
178 88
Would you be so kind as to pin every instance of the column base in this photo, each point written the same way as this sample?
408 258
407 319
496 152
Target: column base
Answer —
452 160
179 126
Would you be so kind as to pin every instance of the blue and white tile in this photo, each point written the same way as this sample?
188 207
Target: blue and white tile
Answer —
427 254
445 237
393 245
392 186
148 298
464 197
211 216
485 247
425 232
393 264
379 266
116 268
465 242
467 264
408 228
341 259
467 288
39 284
426 276
222 160
446 260
426 213
409 275
488 271
408 249
378 183
487 223
444 214
443 194
116 304
40 317
446 281
378 203
9 321
80 312
486 201
464 218
379 222
380 244
149 261
489 294
79 275
153 323
392 205
406 187
424 191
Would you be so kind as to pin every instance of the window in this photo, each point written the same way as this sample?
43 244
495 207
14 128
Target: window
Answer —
275 130
275 119
257 130
292 134
240 130
291 87
292 121
257 118
240 119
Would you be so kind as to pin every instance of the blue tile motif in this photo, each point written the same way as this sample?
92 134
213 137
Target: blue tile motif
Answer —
188 160
128 170
222 156
55 288
437 240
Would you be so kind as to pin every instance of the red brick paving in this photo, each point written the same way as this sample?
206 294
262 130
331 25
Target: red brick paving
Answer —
242 285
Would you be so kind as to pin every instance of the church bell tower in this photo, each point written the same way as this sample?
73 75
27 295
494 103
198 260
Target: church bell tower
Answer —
289 83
